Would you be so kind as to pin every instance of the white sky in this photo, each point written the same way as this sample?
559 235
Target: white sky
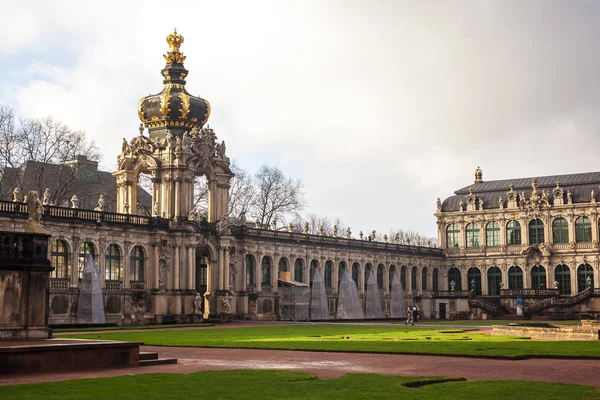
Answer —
379 107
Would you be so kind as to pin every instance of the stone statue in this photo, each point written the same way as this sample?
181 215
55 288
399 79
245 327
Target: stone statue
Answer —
221 149
257 223
555 285
460 205
481 204
124 146
428 242
360 234
197 304
34 206
290 227
406 239
335 230
348 233
274 224
186 140
500 203
569 198
439 204
452 285
588 280
100 204
177 144
593 196
372 236
225 301
321 230
544 196
17 195
418 240
46 200
305 231
74 201
385 238
155 209
193 216
397 238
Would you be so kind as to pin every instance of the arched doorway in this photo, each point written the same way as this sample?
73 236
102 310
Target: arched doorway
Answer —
515 277
474 279
538 277
494 278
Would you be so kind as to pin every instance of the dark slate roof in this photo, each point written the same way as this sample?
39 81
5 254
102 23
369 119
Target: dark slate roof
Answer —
580 185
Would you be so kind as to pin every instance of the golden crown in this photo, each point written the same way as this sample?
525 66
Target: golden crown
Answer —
174 40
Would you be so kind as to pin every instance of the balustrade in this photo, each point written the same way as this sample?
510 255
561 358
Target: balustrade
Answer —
59 285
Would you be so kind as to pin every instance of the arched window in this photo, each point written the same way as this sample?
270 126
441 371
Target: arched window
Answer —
403 277
250 272
299 270
314 266
202 273
492 234
536 231
355 272
494 278
413 278
583 230
538 277
112 263
562 275
265 269
513 233
452 236
137 264
424 272
391 276
85 249
283 266
560 231
454 276
473 235
341 270
474 278
328 274
515 277
368 268
435 280
380 276
585 277
59 259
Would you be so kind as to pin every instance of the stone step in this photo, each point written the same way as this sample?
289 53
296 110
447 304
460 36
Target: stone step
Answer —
158 361
148 355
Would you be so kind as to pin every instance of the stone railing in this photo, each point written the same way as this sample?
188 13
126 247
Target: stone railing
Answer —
485 305
566 301
114 286
583 246
529 292
473 250
59 285
137 286
561 246
451 294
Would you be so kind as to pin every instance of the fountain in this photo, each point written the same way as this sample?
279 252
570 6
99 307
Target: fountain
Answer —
91 303
318 299
373 303
349 306
397 306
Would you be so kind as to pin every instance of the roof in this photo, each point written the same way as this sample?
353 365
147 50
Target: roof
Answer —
580 186
292 283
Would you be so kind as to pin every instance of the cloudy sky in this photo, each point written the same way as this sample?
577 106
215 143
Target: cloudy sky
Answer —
379 107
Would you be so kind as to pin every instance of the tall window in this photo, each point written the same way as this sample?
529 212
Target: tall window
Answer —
368 268
513 233
328 274
380 276
202 277
494 278
538 277
454 276
112 263
403 277
424 272
59 258
250 266
515 277
562 275
391 274
560 231
492 234
341 270
299 270
584 272
136 262
413 278
85 249
314 267
283 267
583 230
435 280
265 269
536 232
474 278
452 236
473 235
355 272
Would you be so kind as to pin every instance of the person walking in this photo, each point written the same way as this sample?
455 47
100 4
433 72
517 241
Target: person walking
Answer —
409 316
415 313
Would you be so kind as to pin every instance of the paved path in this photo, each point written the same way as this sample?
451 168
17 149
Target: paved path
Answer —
330 365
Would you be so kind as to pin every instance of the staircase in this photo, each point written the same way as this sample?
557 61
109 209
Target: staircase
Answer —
558 302
485 305
147 358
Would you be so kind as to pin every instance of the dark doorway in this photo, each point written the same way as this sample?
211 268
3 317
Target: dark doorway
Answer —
442 310
201 274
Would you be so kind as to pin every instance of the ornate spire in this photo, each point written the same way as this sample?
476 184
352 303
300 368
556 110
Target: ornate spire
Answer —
174 55
478 175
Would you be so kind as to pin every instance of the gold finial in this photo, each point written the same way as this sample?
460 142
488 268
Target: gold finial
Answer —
174 41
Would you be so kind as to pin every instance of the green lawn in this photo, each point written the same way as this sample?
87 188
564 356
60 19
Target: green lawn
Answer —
356 338
133 327
243 384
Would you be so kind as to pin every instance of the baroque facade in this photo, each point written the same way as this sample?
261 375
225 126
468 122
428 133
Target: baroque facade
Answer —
497 238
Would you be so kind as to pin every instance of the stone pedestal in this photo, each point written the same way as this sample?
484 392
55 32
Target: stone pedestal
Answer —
24 285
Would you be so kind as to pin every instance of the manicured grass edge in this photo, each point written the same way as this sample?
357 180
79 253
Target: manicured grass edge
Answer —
132 328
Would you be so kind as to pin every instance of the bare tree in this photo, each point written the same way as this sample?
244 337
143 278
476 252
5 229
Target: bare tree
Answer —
44 146
277 196
241 192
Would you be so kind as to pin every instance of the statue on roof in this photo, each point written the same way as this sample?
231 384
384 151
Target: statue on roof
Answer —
439 204
34 206
569 198
478 175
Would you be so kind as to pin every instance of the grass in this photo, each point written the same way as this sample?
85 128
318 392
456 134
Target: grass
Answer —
246 384
353 338
133 327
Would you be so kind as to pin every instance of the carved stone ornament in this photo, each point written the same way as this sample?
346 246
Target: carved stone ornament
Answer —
34 206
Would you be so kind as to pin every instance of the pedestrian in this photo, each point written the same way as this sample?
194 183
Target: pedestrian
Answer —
409 316
415 312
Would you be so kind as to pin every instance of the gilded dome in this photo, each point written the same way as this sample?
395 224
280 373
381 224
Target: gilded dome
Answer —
173 107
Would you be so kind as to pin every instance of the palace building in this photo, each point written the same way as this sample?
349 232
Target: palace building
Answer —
527 245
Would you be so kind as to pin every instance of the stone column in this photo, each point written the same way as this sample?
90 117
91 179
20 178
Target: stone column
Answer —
503 233
221 269
464 279
409 279
126 265
573 273
258 273
212 201
504 271
361 280
484 285
155 272
594 232
191 258
176 266
336 271
226 268
177 199
386 279
242 284
75 263
571 222
430 278
525 233
526 272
